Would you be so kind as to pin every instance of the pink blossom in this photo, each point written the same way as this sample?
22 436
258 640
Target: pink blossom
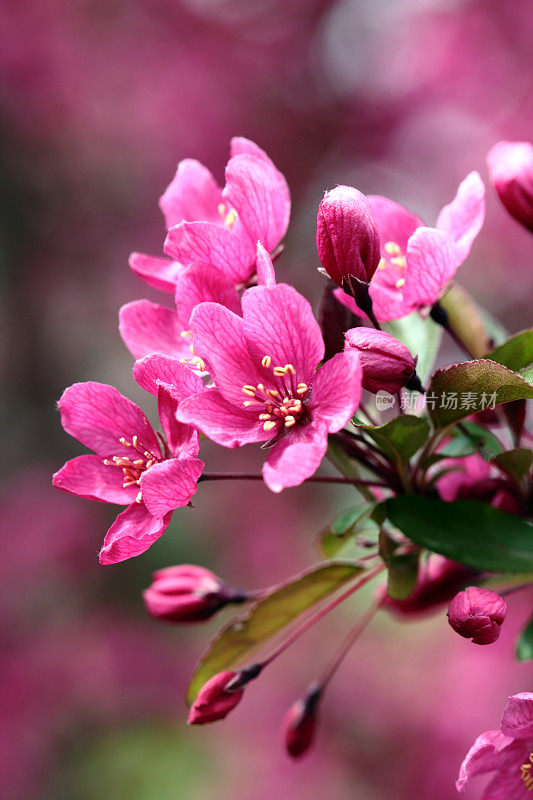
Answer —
507 752
511 172
263 365
130 466
418 262
478 614
387 363
214 700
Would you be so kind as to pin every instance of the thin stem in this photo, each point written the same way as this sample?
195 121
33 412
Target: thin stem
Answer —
245 476
322 613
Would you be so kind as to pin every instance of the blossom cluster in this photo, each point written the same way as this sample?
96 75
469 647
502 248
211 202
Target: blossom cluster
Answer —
240 358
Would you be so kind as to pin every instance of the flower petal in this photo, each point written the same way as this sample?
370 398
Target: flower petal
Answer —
517 720
483 756
193 194
220 421
296 457
507 785
260 195
132 533
241 146
183 440
170 484
89 477
201 283
219 340
97 415
232 254
463 218
155 369
162 273
264 267
432 261
395 222
336 390
279 322
147 328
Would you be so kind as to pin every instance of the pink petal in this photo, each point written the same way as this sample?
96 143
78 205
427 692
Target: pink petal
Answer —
395 222
183 440
517 720
170 484
508 785
97 415
89 477
201 283
193 194
154 369
240 146
387 303
162 273
147 328
483 756
264 267
219 340
220 421
336 390
131 534
232 254
463 218
279 322
296 457
260 195
431 262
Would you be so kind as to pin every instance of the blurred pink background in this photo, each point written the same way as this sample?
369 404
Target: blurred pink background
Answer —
98 101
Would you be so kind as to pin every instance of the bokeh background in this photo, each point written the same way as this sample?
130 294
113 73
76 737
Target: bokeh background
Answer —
99 99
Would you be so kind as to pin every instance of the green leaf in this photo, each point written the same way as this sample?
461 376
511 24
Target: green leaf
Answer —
527 374
401 437
466 320
462 389
467 531
469 438
422 337
517 462
344 529
524 646
516 353
241 637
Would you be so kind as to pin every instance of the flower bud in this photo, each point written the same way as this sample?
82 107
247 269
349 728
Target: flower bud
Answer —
477 614
511 171
187 593
300 723
387 363
220 695
347 236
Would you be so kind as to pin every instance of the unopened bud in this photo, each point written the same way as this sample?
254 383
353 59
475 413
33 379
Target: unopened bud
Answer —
477 614
511 171
347 236
187 593
220 695
387 363
300 723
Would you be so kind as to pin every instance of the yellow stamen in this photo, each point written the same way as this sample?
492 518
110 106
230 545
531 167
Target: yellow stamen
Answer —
301 388
249 390
247 403
399 283
290 369
266 361
186 333
289 421
139 497
382 264
230 219
264 416
273 392
268 426
392 248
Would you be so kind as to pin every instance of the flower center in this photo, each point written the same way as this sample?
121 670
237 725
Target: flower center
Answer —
392 265
525 773
133 467
195 362
228 217
282 405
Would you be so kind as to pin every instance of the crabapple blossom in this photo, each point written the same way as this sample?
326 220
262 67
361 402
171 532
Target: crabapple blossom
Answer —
478 614
387 363
511 172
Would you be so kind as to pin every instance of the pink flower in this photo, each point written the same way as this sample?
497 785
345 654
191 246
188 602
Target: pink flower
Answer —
507 752
221 694
131 466
511 172
263 365
387 363
148 327
347 236
187 593
477 614
418 262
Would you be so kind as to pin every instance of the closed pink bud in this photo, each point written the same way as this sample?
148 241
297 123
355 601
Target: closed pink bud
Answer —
347 236
220 695
300 723
477 614
511 171
438 581
187 593
387 363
